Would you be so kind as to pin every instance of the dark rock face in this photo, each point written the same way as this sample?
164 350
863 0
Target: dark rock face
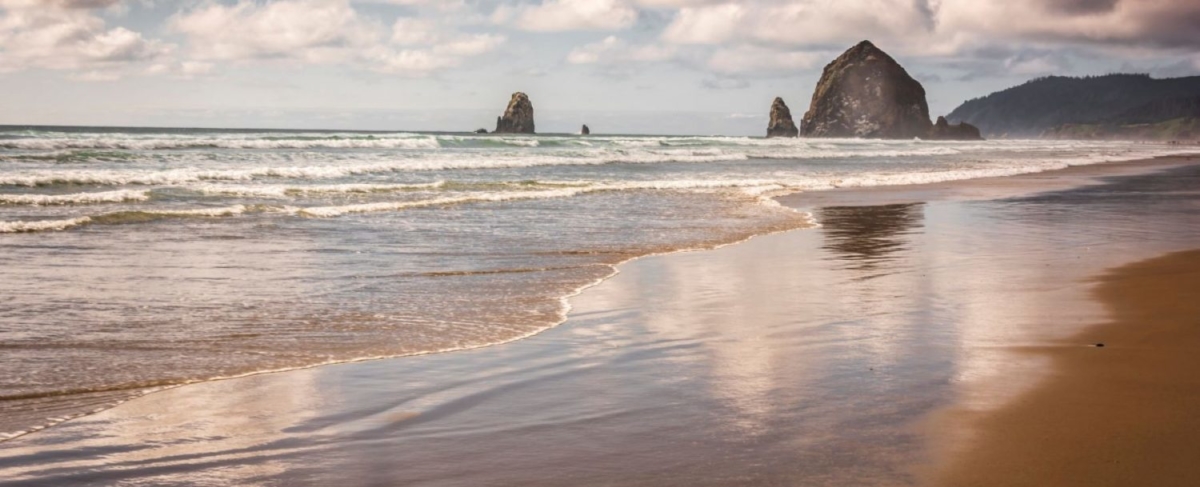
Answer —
942 130
585 130
481 131
517 118
781 124
865 93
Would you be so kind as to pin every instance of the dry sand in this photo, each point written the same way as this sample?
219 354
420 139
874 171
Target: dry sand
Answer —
1125 414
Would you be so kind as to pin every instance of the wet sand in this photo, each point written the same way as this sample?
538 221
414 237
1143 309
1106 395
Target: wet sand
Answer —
1124 414
875 350
984 188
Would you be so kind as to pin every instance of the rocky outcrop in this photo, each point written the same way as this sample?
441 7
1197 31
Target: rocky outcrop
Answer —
517 118
585 130
942 130
781 124
865 93
481 131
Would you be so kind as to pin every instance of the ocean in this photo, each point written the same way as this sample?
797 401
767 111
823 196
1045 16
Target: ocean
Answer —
136 259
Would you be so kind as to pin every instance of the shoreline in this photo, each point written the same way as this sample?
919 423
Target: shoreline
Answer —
750 366
1118 414
986 188
989 187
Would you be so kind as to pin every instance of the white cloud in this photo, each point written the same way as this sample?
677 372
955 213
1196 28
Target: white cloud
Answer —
183 70
408 31
725 62
67 35
612 50
797 23
755 59
316 31
566 15
469 45
325 32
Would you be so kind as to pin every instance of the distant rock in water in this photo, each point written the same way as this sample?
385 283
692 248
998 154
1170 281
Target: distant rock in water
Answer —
481 131
585 130
942 130
517 118
781 124
865 93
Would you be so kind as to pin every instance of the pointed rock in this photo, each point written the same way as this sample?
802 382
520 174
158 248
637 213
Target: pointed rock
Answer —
865 93
942 130
781 124
585 130
518 117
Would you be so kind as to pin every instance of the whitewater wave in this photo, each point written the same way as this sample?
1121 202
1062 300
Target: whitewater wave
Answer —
227 142
286 191
42 225
181 176
119 196
118 217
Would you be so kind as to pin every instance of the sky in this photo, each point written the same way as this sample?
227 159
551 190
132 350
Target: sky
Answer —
621 66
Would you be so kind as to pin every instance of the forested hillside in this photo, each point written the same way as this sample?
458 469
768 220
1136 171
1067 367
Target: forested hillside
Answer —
1045 106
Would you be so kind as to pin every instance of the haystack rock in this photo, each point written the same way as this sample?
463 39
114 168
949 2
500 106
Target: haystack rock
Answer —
942 130
517 118
585 130
865 93
781 120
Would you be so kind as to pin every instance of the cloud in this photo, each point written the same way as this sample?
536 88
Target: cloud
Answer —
315 31
182 70
1151 23
761 60
568 15
325 32
725 84
938 27
797 23
67 35
612 50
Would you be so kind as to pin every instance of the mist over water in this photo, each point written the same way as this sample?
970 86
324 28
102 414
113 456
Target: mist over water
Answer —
138 258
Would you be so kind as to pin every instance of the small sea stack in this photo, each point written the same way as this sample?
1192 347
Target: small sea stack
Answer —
781 124
942 130
585 130
517 118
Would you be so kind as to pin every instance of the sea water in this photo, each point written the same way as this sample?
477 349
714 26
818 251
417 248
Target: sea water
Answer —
138 259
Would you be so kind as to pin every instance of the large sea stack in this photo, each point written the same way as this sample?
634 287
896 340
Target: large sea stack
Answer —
517 118
865 93
781 124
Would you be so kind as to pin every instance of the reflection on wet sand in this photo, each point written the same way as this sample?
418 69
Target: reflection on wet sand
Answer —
867 237
772 362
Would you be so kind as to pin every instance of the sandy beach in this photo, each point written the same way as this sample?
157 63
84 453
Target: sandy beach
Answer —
937 334
1121 414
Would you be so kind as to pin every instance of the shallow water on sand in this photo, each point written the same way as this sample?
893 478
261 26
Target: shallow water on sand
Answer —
801 358
136 259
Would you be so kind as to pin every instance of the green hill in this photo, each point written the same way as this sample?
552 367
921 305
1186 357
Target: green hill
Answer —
1057 106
